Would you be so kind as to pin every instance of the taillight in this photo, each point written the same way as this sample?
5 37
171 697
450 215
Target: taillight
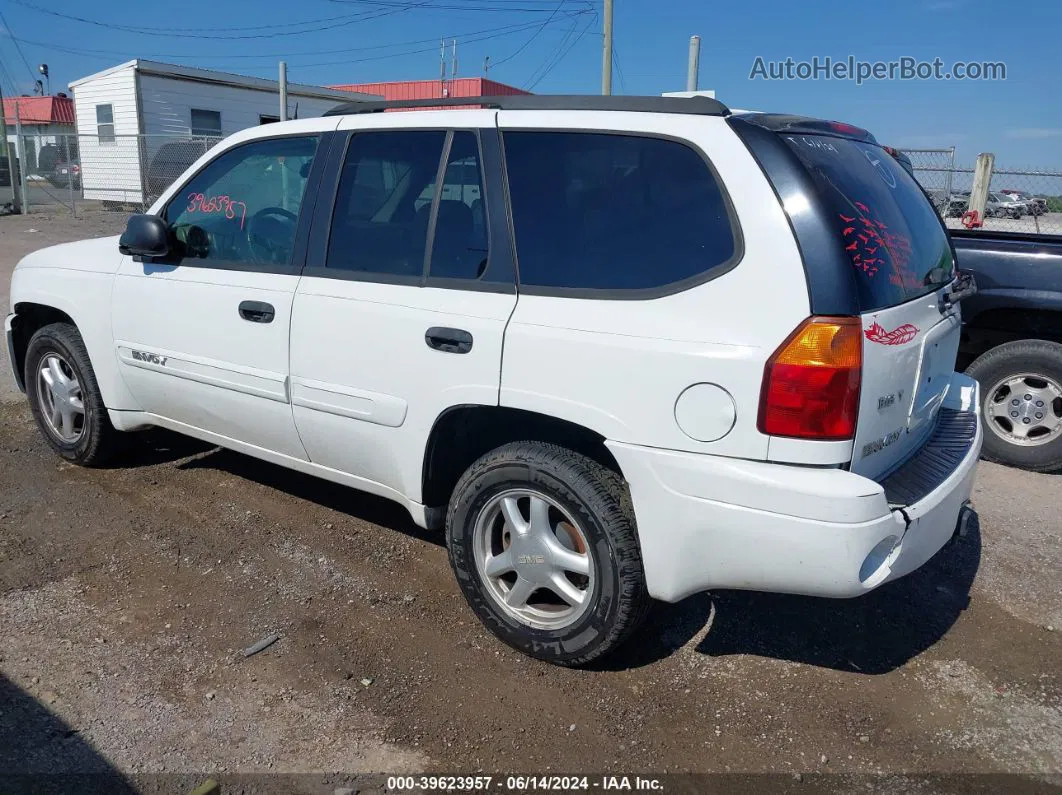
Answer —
811 383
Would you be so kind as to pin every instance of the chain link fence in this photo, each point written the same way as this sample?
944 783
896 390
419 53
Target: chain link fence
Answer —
1019 200
122 173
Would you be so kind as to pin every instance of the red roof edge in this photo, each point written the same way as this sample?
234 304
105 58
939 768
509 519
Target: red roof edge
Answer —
39 110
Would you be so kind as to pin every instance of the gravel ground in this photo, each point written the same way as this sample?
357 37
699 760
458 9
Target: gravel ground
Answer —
127 594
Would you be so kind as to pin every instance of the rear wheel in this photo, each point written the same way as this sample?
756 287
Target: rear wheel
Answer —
1021 403
544 546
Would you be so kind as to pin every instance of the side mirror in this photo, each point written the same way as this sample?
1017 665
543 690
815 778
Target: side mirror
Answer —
145 236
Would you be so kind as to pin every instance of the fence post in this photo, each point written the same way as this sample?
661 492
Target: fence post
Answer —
20 149
948 184
982 178
70 172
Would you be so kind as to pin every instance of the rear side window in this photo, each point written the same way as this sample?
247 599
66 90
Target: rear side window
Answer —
380 224
888 228
595 211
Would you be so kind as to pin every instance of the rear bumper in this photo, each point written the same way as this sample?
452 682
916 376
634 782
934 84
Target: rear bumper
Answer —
711 522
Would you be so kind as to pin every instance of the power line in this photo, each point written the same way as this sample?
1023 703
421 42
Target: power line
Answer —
345 21
434 48
479 35
534 35
564 54
7 27
619 69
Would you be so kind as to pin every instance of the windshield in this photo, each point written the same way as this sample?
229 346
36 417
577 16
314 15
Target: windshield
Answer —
888 228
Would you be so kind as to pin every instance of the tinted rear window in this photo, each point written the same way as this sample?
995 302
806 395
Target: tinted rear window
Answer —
596 211
886 225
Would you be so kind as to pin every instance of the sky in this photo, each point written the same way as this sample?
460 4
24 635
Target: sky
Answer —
552 46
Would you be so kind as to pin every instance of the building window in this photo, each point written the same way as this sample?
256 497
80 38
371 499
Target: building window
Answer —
105 124
206 123
264 119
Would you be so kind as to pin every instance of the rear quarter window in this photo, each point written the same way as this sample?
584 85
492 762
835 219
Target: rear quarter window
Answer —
617 213
887 227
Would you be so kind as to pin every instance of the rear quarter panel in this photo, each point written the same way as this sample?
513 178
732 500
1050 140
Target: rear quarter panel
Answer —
619 366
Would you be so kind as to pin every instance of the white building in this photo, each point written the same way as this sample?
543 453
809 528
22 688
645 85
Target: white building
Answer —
126 114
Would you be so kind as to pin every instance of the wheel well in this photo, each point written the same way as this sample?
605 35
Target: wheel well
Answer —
464 433
29 319
996 326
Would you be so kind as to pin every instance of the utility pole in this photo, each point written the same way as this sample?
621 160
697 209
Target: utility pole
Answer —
15 204
486 66
20 148
453 62
606 51
442 67
694 66
283 90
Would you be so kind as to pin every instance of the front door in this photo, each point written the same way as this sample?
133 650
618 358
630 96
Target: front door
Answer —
202 337
403 304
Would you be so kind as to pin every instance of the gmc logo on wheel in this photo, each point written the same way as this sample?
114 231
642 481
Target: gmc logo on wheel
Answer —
531 559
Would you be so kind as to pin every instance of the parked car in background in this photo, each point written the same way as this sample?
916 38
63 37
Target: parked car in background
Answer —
66 174
1007 205
1034 205
47 158
170 161
340 296
958 204
1012 342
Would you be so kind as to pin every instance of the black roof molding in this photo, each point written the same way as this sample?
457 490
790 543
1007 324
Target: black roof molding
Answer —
698 106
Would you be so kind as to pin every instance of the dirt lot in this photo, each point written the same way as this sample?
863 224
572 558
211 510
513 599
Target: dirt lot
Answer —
126 595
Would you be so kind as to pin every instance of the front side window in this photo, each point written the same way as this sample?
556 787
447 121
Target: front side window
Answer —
206 123
105 124
595 211
243 207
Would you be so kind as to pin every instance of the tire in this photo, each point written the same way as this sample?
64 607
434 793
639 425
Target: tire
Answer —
1042 362
595 504
61 344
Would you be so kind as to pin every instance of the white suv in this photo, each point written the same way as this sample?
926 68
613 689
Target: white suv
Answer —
622 348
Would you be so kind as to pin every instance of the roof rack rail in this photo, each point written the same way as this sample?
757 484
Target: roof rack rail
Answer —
698 106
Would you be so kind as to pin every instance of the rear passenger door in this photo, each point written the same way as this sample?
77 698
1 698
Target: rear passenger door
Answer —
409 284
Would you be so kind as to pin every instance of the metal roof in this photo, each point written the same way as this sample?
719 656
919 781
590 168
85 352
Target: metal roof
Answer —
39 110
194 74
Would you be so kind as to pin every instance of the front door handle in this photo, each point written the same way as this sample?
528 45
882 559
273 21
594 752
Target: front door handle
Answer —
448 340
257 311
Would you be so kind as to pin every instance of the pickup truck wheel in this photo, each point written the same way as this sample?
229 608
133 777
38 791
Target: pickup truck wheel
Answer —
65 398
544 546
1021 403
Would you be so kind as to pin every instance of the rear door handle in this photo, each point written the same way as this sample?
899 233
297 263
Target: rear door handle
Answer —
448 340
257 311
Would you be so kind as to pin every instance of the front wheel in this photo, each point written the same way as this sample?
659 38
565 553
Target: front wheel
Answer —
1021 403
544 546
65 398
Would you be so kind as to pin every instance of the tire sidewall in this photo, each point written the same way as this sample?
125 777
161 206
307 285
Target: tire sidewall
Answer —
579 640
44 342
999 367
